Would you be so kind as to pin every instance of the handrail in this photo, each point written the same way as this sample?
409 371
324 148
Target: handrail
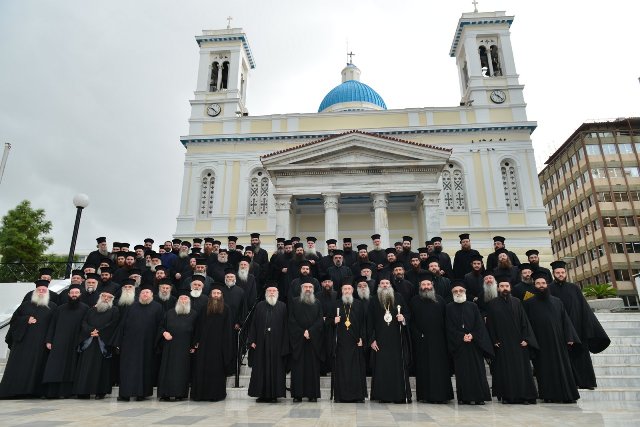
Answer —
242 343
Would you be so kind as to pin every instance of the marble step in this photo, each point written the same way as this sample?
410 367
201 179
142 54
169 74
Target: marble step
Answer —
604 359
622 349
624 340
631 315
622 331
617 370
622 323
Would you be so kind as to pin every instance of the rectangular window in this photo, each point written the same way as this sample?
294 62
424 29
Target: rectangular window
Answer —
632 172
637 144
593 150
615 172
616 247
626 221
625 148
620 196
609 149
610 221
579 154
604 197
622 274
598 173
633 247
635 196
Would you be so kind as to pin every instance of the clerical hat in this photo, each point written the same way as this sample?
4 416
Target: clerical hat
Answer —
503 278
331 242
539 275
502 251
136 247
390 250
110 289
161 268
311 239
423 250
280 239
128 282
295 239
165 281
196 251
146 286
427 275
464 236
41 282
246 259
346 240
77 273
232 239
104 270
46 271
101 240
532 252
149 240
298 245
375 236
325 277
558 264
230 270
362 246
124 245
436 239
407 238
198 277
255 235
525 266
338 252
185 243
201 261
134 271
206 240
359 279
498 239
433 259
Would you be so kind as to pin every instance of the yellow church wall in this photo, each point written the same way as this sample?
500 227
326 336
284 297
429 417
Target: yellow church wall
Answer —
471 116
517 218
400 221
356 221
482 193
258 225
212 128
310 222
456 221
446 118
233 201
352 121
261 126
500 115
203 225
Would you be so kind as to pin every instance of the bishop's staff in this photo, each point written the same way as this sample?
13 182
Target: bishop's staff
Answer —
407 388
335 349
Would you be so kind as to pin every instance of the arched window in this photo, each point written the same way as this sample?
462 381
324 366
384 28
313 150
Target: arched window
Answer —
495 61
215 70
207 186
258 194
453 192
224 83
510 185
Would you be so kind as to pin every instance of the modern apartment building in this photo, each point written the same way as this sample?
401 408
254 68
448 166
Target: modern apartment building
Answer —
591 189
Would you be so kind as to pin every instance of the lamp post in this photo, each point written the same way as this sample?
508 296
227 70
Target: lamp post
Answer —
80 201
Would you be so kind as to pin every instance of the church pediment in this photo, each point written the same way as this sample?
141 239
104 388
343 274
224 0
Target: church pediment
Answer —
356 150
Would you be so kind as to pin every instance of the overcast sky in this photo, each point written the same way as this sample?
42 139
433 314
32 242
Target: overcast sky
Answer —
94 95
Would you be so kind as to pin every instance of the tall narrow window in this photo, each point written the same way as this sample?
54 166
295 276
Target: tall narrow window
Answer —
484 60
224 84
215 69
258 194
510 185
207 185
495 61
453 192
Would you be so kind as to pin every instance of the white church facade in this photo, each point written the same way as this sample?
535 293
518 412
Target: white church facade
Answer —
355 167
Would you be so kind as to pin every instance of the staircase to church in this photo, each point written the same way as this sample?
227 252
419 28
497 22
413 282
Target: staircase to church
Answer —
617 368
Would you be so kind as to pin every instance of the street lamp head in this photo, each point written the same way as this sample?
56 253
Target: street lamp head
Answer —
81 200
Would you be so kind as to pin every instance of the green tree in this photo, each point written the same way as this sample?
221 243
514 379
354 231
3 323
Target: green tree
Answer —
23 237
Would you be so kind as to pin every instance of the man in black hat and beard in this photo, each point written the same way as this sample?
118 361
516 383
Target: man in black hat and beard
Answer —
304 276
348 254
443 257
593 337
247 282
462 259
260 255
26 339
90 293
533 257
62 341
306 338
525 288
327 260
101 252
327 298
498 246
136 341
441 284
556 337
164 297
338 271
406 254
474 280
361 261
505 267
45 273
377 255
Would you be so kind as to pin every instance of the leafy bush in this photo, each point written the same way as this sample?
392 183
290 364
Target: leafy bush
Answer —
601 291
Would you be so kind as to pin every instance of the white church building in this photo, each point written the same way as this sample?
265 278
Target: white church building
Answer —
355 167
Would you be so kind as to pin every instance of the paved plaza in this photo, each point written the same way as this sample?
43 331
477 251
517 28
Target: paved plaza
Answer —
246 412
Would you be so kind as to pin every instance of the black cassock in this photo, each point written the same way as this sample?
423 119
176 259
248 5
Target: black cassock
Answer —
553 330
306 354
468 357
28 356
390 380
138 336
93 373
329 303
432 363
166 304
175 367
524 291
63 334
462 262
214 356
511 368
350 380
593 337
269 331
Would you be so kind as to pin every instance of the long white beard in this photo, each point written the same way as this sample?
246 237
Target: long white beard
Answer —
308 298
103 252
364 293
183 308
40 300
183 254
196 293
347 299
428 294
243 274
490 292
145 301
230 284
272 300
127 298
386 296
164 297
460 298
102 306
89 289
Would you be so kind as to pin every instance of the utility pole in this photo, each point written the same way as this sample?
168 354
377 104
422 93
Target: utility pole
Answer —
5 156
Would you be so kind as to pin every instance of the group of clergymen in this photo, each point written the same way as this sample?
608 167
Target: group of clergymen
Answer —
171 318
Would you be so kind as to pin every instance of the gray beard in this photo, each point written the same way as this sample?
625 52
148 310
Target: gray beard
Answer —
490 292
126 298
230 284
243 275
196 293
310 251
308 298
164 297
431 295
89 289
364 293
103 252
40 301
460 298
183 309
386 297
347 299
102 306
271 300
144 302
183 254
527 281
152 268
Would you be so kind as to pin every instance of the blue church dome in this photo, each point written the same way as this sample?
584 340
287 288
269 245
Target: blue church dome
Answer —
352 90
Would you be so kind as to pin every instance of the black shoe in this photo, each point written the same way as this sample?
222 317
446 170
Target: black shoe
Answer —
297 399
313 399
123 399
140 399
99 396
479 402
164 399
568 401
409 400
83 396
532 402
262 400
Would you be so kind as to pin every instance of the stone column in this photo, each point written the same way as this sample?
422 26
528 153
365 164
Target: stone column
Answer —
331 215
381 221
283 215
431 210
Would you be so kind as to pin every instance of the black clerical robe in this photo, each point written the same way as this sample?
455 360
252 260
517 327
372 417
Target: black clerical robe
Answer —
214 356
250 288
468 357
54 297
390 378
167 304
349 376
63 334
328 302
432 363
23 371
473 283
508 327
553 330
593 337
524 291
93 373
492 260
445 262
404 287
137 342
306 354
442 286
269 332
462 262
175 368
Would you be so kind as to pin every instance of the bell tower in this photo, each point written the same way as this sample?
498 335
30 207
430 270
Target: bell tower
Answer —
223 72
486 67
